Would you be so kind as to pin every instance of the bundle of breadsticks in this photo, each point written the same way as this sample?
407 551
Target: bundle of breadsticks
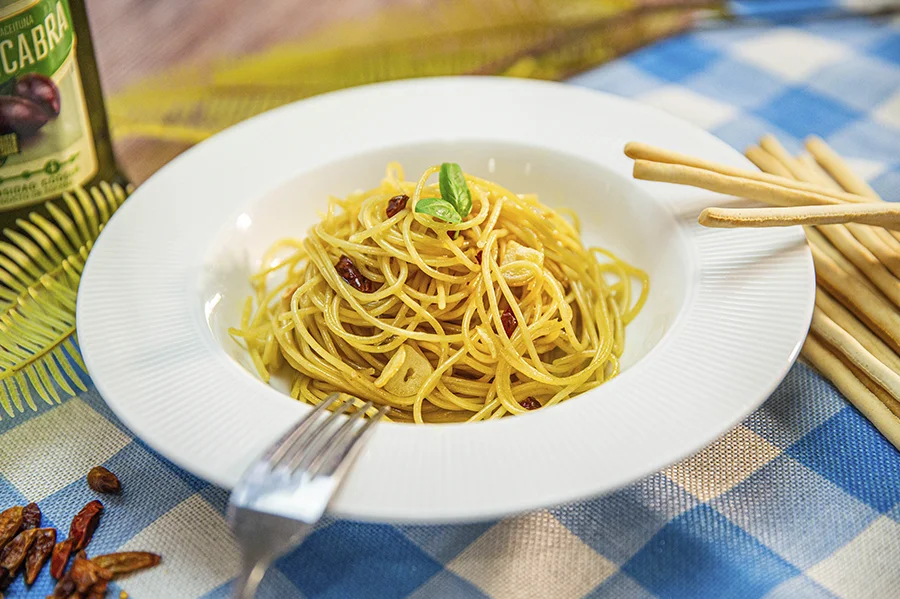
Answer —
854 339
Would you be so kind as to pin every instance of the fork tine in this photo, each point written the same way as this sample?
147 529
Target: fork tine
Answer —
280 449
313 440
271 511
313 460
338 456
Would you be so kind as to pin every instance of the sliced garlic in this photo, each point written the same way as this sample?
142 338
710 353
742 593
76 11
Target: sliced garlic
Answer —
411 376
391 368
518 275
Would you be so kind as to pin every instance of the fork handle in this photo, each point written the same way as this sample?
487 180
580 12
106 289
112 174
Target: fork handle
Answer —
247 582
265 546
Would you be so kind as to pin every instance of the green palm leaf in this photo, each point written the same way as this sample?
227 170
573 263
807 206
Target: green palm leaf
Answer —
41 260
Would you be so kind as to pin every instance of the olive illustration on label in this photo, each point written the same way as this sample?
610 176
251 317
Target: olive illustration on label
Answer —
41 90
21 116
35 102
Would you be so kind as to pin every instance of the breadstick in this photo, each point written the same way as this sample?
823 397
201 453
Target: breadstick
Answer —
835 233
847 321
880 315
878 214
892 404
853 389
841 172
856 353
767 163
871 241
768 193
842 373
782 178
881 243
835 166
770 144
867 263
883 396
817 174
874 242
822 244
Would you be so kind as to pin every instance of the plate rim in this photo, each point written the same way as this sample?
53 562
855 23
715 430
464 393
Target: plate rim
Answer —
94 361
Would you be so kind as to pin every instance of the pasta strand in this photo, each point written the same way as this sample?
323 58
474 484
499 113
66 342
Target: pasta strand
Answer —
457 326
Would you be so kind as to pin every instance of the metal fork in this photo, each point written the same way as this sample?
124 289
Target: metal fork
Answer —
280 498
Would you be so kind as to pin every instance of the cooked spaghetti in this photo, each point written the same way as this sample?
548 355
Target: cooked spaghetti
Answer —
393 301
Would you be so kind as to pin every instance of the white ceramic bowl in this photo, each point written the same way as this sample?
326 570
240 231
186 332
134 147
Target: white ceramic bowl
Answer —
726 315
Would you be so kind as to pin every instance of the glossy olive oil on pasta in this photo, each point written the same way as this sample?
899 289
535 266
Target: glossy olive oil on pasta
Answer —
450 301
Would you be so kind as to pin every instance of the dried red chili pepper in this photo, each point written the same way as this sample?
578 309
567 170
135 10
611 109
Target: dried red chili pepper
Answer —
13 555
126 561
84 523
396 204
509 321
98 591
60 558
11 521
31 516
530 403
64 589
86 574
39 554
353 276
103 481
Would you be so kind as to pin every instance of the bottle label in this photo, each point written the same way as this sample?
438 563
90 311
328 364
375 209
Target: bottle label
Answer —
46 143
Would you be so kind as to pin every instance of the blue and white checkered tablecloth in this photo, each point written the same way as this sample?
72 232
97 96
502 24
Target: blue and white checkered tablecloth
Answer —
800 500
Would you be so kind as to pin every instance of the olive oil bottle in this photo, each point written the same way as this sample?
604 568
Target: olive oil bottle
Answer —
59 185
54 135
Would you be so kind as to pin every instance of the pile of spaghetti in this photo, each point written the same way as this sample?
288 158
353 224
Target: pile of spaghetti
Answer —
449 301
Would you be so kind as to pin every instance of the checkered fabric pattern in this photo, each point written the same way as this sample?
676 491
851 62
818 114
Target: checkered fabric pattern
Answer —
800 500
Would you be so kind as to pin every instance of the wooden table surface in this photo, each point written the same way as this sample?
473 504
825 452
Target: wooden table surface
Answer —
136 38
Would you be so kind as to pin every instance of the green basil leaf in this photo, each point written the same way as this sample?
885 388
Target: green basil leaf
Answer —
439 208
454 188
